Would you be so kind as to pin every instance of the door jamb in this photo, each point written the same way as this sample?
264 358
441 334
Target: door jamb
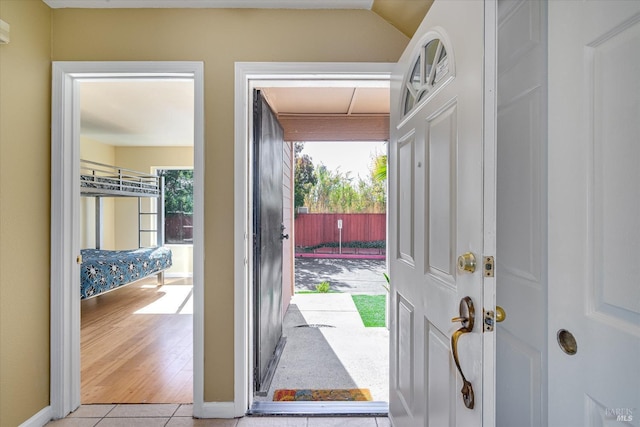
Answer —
249 75
489 200
65 204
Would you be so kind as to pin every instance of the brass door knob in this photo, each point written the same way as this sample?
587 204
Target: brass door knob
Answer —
467 262
500 314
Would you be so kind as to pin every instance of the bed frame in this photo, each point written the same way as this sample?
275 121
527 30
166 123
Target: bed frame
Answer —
100 180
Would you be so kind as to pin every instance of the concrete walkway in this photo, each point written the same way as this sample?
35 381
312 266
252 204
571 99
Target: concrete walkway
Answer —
329 347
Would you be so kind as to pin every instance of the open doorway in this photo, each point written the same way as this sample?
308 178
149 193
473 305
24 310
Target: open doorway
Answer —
136 155
79 222
315 361
335 324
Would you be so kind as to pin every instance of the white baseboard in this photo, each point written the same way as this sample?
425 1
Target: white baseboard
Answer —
217 410
39 419
178 274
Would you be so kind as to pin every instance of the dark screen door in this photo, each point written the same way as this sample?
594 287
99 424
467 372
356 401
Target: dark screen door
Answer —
267 214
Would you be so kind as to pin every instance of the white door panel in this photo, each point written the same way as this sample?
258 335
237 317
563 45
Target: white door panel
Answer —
436 210
521 349
594 123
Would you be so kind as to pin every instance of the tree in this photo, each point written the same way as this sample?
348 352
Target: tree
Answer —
324 190
304 175
178 205
380 168
337 192
178 190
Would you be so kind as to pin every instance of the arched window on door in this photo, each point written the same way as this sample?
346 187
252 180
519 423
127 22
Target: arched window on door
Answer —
432 69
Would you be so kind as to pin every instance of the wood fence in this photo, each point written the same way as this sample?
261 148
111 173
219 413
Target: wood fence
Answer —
178 228
316 229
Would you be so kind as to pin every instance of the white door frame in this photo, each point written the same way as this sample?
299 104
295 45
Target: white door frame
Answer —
489 211
65 209
249 75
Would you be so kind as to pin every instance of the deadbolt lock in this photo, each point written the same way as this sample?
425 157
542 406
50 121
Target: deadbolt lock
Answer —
467 262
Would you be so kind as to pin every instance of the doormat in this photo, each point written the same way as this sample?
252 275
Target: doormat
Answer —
334 394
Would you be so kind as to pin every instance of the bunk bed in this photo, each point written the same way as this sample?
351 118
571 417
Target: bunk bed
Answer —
105 270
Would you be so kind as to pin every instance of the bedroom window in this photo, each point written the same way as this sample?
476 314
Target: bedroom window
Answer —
178 206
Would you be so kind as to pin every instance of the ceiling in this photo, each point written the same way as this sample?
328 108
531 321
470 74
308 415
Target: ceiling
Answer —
332 101
137 112
159 112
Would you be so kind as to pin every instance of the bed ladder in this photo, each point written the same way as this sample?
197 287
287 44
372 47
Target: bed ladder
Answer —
151 221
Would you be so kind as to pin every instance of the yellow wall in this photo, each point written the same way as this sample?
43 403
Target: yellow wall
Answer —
219 38
101 153
25 90
182 258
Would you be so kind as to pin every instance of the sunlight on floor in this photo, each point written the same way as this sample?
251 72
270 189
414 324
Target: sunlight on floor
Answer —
175 299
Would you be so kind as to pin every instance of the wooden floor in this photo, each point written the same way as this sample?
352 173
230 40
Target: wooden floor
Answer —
137 344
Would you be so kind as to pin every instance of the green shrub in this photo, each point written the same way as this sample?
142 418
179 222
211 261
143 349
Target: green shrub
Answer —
323 287
378 244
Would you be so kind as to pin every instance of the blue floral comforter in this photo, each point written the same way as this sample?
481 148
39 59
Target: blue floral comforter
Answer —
103 270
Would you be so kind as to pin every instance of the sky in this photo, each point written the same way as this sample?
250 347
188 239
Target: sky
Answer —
355 157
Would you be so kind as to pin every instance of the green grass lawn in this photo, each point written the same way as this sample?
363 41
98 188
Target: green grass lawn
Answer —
371 309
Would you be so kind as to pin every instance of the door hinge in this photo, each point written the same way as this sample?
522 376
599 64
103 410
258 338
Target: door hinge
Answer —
489 321
489 266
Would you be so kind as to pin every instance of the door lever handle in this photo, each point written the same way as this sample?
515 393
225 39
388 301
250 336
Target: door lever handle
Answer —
282 235
467 326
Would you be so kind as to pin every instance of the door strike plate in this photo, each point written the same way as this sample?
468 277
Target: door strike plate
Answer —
489 266
489 321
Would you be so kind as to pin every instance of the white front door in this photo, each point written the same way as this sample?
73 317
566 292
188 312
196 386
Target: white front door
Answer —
594 208
441 215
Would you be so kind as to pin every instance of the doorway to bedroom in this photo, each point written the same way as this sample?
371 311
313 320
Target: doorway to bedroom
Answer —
132 171
136 236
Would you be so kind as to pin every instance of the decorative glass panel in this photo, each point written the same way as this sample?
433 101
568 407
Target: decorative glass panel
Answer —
409 101
416 75
430 51
426 74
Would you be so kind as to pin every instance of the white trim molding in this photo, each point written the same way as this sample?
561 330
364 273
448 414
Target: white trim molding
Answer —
38 420
65 208
250 75
213 4
217 410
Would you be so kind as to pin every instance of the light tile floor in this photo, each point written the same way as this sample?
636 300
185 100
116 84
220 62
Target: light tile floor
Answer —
174 415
